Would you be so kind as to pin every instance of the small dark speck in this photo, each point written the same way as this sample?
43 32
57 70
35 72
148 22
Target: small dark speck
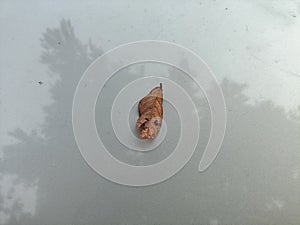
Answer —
58 43
294 16
226 8
40 82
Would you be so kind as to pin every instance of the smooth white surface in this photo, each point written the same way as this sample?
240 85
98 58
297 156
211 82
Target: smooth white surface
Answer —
255 179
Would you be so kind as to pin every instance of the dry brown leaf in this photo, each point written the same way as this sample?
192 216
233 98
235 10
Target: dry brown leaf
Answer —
150 114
